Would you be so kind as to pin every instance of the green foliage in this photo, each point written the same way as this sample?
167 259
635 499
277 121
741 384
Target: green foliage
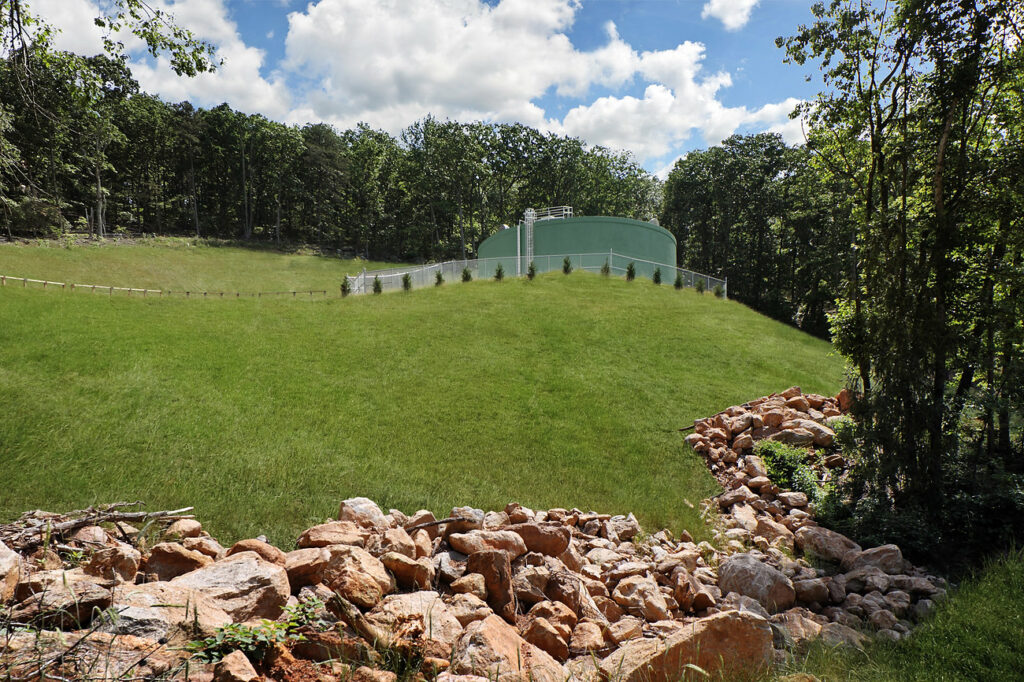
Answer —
467 276
630 272
407 282
183 370
346 287
699 285
566 266
606 269
678 283
656 277
255 640
499 273
788 468
531 271
718 291
377 286
438 279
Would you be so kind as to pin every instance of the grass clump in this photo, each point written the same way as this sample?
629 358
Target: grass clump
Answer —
566 266
377 286
467 276
407 282
499 273
606 270
531 271
346 287
699 286
438 278
630 272
719 291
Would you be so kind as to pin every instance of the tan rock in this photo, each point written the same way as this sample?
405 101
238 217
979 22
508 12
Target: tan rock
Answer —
334 533
392 540
549 538
10 572
101 655
349 559
742 494
640 595
799 629
306 566
529 584
845 399
494 566
793 499
745 575
813 590
543 635
266 551
119 563
165 611
409 573
626 629
587 637
772 530
423 516
480 540
234 667
243 585
168 560
184 528
69 605
797 437
824 543
363 512
205 545
432 616
367 674
838 634
886 558
730 642
468 608
608 608
470 583
494 649
744 441
558 614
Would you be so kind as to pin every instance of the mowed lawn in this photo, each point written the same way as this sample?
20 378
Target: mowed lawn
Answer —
177 264
263 414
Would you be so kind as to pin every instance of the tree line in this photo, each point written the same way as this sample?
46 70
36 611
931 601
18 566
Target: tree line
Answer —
113 158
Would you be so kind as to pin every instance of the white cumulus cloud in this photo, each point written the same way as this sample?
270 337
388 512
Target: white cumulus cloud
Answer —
734 14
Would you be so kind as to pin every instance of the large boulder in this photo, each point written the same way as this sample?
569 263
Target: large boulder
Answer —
743 574
479 540
730 642
495 567
334 533
168 560
886 558
546 538
493 649
364 512
10 572
426 610
165 611
244 585
824 543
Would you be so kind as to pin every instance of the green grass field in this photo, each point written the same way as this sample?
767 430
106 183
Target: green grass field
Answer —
565 391
178 265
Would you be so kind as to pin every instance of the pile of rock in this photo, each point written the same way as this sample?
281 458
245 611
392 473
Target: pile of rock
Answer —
850 587
548 595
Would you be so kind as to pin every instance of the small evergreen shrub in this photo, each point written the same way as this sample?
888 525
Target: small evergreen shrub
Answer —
467 276
377 286
407 282
438 279
678 284
499 273
606 269
656 278
566 265
699 286
531 271
719 291
346 287
630 272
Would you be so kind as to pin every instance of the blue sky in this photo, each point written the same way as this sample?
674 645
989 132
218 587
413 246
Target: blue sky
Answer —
656 77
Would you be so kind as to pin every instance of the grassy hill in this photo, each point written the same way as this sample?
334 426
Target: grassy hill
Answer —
565 391
178 265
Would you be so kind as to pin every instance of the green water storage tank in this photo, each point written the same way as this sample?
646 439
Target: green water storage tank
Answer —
588 241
